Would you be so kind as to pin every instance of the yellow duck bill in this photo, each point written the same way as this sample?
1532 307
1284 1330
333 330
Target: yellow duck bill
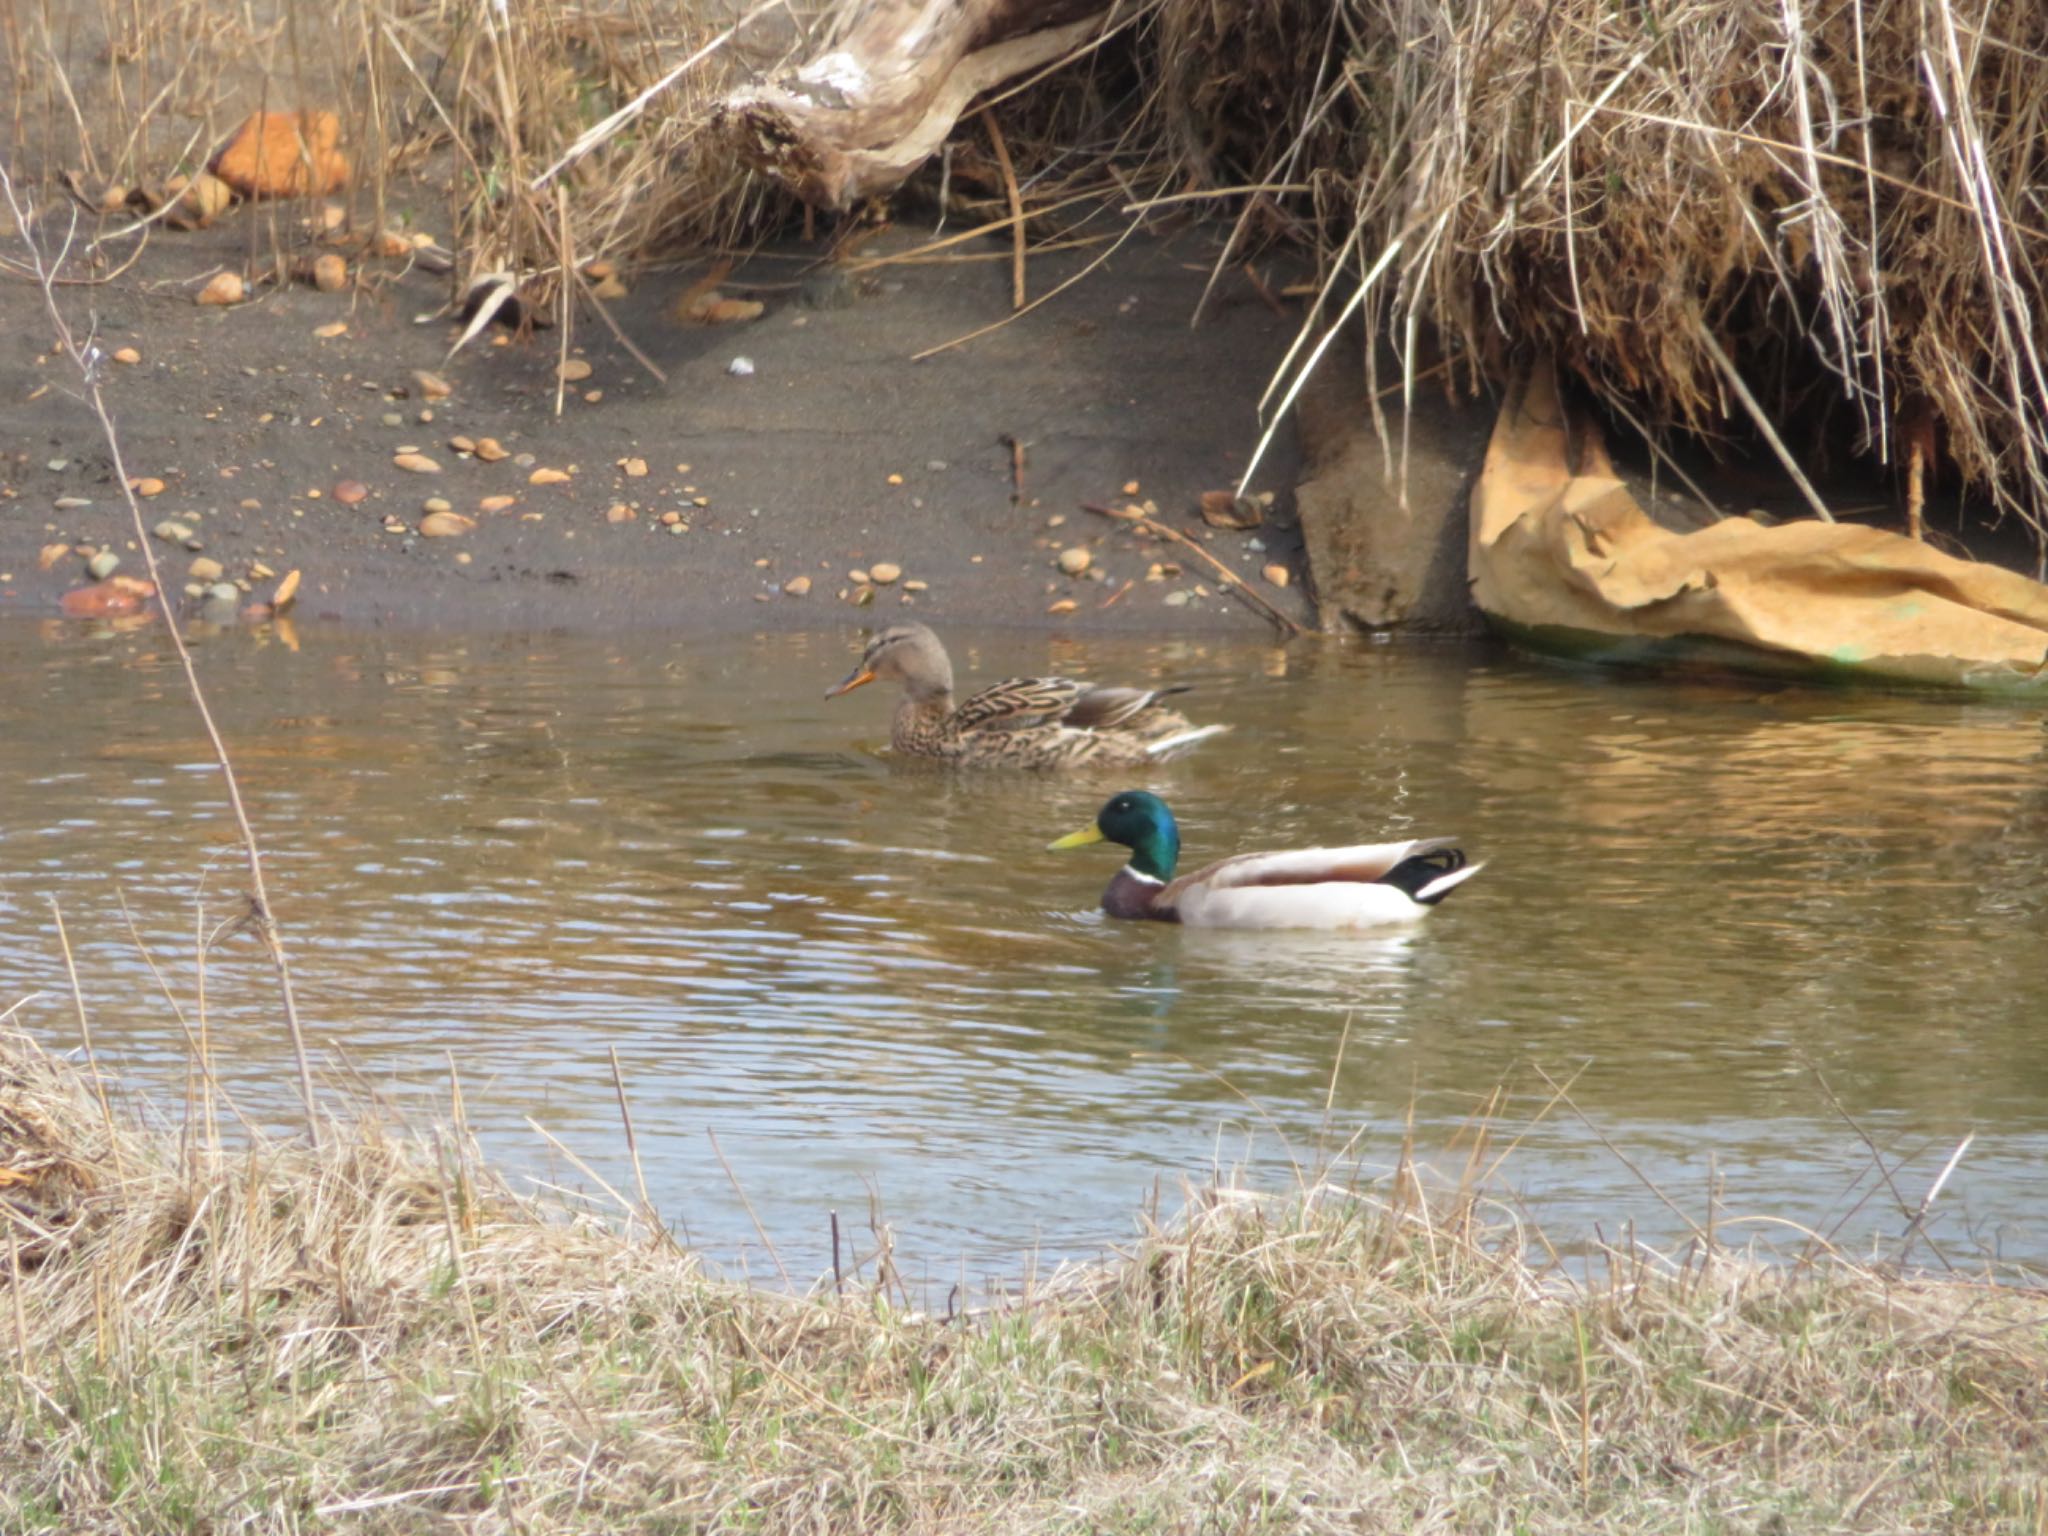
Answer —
1080 839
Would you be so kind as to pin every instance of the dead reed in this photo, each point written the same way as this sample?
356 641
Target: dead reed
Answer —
1822 219
379 1336
457 114
1826 217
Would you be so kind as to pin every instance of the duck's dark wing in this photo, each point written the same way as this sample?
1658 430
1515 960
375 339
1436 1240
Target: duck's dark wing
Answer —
1017 702
1104 709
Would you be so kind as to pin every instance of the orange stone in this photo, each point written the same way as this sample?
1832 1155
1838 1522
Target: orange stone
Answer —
285 154
105 599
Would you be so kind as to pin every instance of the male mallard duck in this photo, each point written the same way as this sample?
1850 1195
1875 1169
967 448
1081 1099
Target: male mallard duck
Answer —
1372 886
1024 722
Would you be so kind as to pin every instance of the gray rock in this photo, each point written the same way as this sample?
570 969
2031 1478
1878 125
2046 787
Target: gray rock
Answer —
1377 564
223 592
103 565
829 289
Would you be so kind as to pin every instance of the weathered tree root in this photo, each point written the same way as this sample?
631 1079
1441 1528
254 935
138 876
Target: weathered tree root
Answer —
858 118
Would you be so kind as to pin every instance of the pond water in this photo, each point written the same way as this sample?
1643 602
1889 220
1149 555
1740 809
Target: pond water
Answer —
1756 929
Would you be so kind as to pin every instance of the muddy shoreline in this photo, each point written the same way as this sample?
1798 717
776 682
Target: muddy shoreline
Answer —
837 453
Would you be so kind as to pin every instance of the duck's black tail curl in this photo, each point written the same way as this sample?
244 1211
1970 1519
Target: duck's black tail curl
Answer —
1431 873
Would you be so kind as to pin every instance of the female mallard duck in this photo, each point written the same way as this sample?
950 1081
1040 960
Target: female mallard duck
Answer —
1372 886
1024 722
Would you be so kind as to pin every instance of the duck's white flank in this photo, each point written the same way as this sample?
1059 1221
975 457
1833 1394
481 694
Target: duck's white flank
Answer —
1181 739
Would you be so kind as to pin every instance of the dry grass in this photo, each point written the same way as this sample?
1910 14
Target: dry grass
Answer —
1847 196
476 100
1843 203
380 1337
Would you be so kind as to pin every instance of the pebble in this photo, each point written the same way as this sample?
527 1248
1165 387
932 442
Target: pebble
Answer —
224 592
917 586
436 504
205 569
431 385
103 565
147 485
172 532
523 461
857 576
57 466
797 586
392 419
225 288
461 444
635 468
128 355
490 450
71 503
882 572
1064 605
618 512
331 329
330 273
741 367
417 463
724 311
1075 560
935 466
547 477
1277 574
573 371
1179 599
349 492
445 525
497 503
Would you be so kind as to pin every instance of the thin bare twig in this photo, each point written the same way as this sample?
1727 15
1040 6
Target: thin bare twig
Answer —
1726 364
86 359
1016 197
1231 580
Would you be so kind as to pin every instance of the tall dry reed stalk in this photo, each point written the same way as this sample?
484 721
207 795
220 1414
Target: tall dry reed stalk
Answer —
1824 217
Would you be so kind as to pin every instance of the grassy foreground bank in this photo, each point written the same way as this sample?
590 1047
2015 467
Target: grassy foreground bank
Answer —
380 1337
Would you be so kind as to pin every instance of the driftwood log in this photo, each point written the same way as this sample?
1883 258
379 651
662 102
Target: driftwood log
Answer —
857 118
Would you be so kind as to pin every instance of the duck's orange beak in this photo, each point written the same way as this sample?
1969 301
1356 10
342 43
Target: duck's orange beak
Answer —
861 675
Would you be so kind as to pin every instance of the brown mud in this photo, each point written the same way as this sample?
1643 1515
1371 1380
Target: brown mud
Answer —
837 453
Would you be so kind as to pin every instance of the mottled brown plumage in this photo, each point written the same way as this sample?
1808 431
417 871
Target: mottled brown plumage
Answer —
1021 722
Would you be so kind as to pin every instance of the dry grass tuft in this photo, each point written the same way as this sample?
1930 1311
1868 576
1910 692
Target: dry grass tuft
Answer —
381 1337
1845 198
1834 210
477 101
